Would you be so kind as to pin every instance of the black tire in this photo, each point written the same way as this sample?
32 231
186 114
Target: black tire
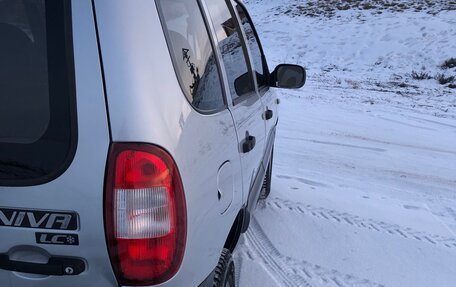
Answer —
266 190
224 272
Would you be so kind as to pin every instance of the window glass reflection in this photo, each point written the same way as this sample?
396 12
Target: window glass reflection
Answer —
229 43
193 55
255 51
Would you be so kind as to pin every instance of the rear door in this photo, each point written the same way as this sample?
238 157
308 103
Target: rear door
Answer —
246 106
54 140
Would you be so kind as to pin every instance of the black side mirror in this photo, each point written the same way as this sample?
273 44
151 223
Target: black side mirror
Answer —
288 76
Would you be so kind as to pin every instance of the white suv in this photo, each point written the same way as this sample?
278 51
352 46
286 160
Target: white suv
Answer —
136 138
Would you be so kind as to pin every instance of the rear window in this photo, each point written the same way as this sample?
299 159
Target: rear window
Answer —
37 124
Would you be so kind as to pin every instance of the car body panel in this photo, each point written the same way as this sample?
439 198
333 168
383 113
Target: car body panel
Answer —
146 104
79 188
128 91
247 110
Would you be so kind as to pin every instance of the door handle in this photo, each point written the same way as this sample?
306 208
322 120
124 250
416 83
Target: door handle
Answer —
249 143
56 266
268 115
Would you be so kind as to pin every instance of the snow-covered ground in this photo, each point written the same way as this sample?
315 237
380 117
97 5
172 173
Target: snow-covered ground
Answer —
364 183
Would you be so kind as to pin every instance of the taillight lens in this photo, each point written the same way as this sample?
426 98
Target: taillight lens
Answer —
145 214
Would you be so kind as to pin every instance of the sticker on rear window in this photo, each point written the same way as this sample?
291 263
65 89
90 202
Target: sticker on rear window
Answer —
41 219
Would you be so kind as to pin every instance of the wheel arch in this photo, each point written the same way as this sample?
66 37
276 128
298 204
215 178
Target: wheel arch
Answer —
236 230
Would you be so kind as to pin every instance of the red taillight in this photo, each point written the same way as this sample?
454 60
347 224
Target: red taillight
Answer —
145 214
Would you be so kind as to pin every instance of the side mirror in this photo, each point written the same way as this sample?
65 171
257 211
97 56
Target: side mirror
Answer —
288 76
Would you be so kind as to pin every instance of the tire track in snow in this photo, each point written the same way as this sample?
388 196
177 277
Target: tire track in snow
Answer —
296 273
272 258
367 223
388 143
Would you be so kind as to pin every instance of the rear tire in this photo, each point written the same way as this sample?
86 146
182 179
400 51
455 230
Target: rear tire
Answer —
224 272
266 190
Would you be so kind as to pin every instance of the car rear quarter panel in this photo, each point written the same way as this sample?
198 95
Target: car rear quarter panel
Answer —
146 104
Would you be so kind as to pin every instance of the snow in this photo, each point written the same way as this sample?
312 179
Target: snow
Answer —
364 178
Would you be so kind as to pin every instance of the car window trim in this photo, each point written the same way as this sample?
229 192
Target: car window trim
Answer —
210 31
179 77
246 52
219 58
252 93
261 89
244 97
